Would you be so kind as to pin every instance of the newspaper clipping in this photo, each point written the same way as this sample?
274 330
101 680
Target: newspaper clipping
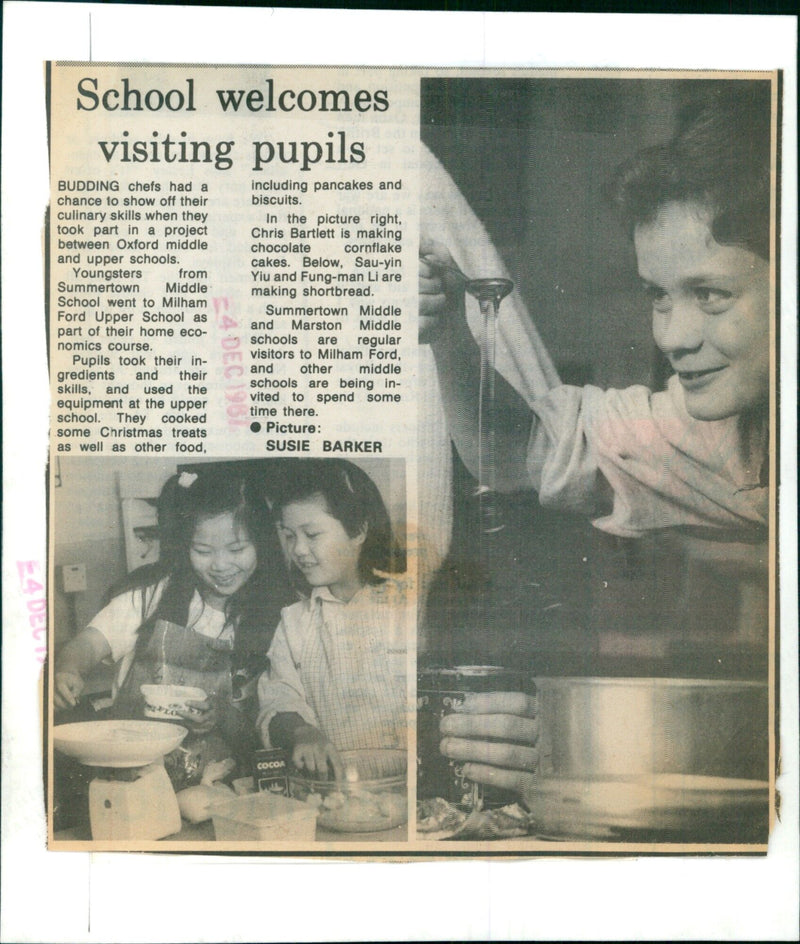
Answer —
412 461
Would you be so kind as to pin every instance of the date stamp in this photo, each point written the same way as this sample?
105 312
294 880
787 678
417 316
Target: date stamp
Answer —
237 410
32 587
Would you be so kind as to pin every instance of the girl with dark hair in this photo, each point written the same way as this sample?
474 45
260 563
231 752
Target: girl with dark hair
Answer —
693 456
201 617
336 676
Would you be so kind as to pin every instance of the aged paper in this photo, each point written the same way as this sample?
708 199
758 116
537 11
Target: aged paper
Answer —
232 261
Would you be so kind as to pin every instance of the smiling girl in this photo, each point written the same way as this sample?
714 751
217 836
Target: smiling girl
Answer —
336 677
202 616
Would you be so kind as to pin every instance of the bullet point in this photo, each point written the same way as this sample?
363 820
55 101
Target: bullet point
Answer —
255 427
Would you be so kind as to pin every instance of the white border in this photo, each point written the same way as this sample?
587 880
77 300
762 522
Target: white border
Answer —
128 897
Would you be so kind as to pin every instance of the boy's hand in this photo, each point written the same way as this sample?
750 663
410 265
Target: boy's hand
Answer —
441 290
496 733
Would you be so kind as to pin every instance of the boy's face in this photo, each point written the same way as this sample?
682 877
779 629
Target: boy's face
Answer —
710 311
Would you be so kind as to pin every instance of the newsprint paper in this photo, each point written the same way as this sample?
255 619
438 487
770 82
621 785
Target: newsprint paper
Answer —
413 475
417 399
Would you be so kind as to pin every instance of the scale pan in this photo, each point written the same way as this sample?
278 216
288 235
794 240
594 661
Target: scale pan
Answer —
117 743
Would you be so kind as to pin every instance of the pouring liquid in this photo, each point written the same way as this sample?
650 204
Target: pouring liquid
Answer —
489 293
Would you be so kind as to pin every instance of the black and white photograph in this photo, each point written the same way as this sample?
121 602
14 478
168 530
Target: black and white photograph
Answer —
597 643
399 502
230 661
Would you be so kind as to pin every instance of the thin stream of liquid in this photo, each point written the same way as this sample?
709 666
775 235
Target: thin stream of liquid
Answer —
487 469
489 293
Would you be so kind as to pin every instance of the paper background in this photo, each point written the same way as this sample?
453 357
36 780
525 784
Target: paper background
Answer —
104 897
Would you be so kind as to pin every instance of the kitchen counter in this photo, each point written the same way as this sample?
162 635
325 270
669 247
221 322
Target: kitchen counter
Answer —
72 814
204 832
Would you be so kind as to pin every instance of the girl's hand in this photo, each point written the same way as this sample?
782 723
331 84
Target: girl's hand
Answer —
74 661
441 290
202 718
313 752
496 733
68 686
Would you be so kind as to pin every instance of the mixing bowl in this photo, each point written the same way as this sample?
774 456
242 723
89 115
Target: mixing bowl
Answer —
627 727
372 796
687 756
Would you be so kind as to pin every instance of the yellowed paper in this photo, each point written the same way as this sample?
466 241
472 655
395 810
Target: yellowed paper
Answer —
89 894
232 260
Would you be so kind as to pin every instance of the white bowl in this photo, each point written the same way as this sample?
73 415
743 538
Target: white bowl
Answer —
168 701
117 743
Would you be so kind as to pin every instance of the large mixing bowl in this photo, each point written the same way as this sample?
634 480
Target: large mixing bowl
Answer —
372 796
624 727
652 753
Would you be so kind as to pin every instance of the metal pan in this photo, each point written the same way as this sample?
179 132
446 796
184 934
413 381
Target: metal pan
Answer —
681 755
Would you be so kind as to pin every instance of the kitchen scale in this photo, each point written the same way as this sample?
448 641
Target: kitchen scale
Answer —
131 796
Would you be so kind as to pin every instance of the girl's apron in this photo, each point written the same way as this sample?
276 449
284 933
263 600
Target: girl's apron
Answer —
178 655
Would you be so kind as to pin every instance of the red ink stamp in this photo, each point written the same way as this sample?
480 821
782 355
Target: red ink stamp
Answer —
31 586
237 407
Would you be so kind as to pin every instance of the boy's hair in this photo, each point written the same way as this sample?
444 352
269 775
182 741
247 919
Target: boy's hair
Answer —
720 159
185 500
352 498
